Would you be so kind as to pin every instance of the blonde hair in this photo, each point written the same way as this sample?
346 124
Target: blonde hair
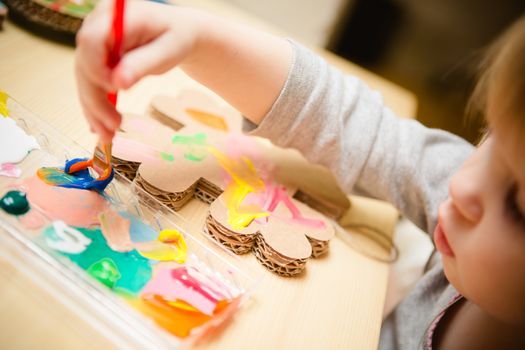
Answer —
501 77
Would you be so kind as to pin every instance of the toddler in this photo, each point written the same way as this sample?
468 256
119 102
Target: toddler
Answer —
472 200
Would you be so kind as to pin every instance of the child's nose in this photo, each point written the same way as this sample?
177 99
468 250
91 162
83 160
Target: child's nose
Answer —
466 196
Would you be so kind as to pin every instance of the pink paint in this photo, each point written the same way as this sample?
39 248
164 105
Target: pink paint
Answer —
239 145
115 229
139 125
32 220
134 150
277 194
186 284
74 207
10 170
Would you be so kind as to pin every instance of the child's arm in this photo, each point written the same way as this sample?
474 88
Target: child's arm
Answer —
246 67
337 121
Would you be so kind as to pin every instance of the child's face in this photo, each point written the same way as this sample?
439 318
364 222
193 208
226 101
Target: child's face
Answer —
484 228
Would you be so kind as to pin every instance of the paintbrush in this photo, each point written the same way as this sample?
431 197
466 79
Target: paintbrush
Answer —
101 161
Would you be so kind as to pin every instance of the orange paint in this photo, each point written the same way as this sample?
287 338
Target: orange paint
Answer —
178 321
211 120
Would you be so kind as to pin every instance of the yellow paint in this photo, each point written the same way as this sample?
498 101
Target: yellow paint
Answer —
180 304
3 104
211 120
245 181
170 246
175 239
155 250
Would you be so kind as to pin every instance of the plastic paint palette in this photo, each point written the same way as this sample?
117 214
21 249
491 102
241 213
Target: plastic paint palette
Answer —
105 309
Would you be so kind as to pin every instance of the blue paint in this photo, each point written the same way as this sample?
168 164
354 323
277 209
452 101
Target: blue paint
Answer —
138 230
81 179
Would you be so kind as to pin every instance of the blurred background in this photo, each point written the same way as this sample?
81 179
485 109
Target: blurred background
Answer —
427 46
430 47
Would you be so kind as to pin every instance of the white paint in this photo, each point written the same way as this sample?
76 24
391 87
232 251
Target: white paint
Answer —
71 241
15 144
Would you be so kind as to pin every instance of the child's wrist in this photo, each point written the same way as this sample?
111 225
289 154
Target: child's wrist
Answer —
202 26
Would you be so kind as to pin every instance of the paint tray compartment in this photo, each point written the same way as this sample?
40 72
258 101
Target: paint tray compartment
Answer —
118 304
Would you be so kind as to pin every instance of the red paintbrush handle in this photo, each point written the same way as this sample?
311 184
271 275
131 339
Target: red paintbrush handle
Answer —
117 31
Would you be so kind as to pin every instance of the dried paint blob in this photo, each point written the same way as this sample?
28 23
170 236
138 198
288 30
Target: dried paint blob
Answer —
15 203
105 271
15 144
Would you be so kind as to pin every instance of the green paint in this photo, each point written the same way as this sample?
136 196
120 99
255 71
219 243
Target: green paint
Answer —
135 270
194 157
195 145
198 139
105 271
167 156
15 203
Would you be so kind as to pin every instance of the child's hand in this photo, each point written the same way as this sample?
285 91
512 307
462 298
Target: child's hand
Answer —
156 38
244 66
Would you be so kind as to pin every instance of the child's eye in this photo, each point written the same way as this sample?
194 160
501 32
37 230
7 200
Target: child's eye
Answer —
512 207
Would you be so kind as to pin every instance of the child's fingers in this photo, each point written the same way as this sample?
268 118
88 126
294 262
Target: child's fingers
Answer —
90 60
155 57
101 114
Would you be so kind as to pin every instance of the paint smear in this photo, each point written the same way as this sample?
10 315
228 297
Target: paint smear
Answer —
3 104
134 150
175 320
138 230
80 179
169 157
211 120
10 170
115 229
169 246
195 146
74 207
159 251
245 181
32 220
134 270
15 144
57 177
138 125
278 194
187 284
65 239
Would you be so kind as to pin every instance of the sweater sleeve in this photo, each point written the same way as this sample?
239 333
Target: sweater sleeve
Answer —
335 120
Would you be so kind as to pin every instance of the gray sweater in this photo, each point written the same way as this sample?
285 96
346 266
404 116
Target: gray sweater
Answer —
337 121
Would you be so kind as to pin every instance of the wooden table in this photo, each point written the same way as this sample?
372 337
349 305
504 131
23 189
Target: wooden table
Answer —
337 304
